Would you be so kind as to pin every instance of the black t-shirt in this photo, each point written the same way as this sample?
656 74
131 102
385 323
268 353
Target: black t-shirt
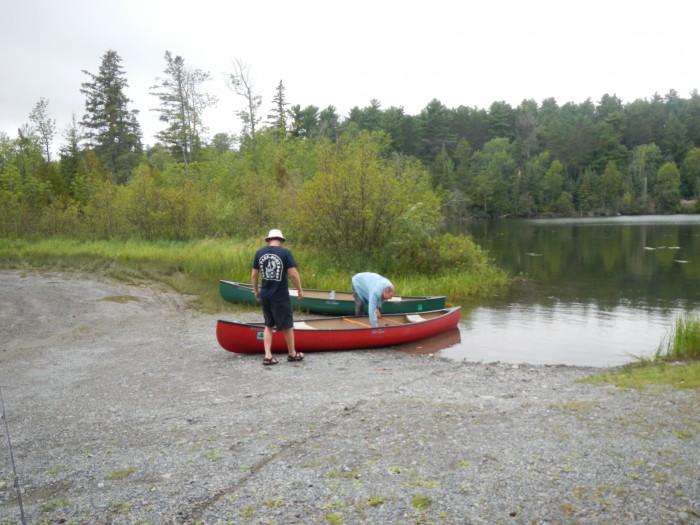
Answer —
273 263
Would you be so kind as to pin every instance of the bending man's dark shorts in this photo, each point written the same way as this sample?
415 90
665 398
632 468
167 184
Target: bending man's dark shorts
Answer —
278 314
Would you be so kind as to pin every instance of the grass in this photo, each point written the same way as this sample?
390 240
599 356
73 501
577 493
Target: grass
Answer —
421 502
684 342
52 505
676 361
118 507
120 473
680 375
195 267
334 519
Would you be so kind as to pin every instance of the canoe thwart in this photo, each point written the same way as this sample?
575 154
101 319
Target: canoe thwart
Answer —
356 322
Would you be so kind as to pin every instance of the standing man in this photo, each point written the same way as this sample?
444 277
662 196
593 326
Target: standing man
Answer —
275 262
371 290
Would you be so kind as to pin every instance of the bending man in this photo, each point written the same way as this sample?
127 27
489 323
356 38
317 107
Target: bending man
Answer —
370 290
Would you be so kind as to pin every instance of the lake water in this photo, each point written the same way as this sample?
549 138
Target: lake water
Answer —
595 292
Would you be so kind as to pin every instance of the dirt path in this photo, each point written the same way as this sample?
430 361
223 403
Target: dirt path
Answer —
123 409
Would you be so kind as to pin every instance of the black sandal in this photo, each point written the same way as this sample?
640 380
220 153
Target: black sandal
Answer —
298 356
270 361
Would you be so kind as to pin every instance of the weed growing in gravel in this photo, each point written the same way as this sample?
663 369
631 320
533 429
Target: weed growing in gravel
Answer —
352 473
118 507
53 505
421 502
659 476
212 455
374 502
682 434
333 505
273 503
580 492
120 473
56 470
120 299
334 519
573 406
425 483
465 488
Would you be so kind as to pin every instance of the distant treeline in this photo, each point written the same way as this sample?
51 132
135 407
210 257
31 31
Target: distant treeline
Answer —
371 176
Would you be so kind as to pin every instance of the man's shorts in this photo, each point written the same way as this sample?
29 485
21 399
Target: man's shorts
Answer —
278 314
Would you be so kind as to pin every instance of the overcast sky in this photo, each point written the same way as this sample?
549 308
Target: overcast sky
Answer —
404 54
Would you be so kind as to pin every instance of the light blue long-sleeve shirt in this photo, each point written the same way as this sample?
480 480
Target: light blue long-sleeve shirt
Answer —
369 287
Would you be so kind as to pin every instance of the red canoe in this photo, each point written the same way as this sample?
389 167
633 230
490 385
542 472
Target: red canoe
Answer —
339 333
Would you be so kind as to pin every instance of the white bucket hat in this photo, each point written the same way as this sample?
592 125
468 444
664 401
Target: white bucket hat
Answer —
275 234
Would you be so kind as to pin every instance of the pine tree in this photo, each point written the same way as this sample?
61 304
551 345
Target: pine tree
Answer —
329 123
70 152
112 131
279 113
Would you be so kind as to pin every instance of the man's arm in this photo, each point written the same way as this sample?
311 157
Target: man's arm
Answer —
294 276
372 305
254 279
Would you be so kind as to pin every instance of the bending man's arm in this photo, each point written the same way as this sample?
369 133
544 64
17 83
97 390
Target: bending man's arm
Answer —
372 306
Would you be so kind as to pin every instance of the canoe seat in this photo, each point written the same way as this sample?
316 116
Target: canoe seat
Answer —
301 325
414 318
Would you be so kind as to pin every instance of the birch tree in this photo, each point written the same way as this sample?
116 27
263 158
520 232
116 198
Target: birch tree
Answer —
44 126
182 104
240 82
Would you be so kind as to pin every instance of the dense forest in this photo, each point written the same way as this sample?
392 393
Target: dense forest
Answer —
351 184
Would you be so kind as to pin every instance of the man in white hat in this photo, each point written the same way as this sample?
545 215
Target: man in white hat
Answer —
275 262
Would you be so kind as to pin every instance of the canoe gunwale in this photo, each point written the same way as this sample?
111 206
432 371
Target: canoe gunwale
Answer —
341 304
403 298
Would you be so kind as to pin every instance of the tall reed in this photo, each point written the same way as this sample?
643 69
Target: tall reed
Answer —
684 341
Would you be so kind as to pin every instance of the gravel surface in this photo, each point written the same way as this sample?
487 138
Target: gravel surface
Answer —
123 409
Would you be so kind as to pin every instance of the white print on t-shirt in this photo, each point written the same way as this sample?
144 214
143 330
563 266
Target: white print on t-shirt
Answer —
271 267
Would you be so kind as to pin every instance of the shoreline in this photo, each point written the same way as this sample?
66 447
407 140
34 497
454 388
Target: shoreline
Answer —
122 408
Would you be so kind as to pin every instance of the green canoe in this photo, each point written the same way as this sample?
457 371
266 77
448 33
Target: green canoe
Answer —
333 303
